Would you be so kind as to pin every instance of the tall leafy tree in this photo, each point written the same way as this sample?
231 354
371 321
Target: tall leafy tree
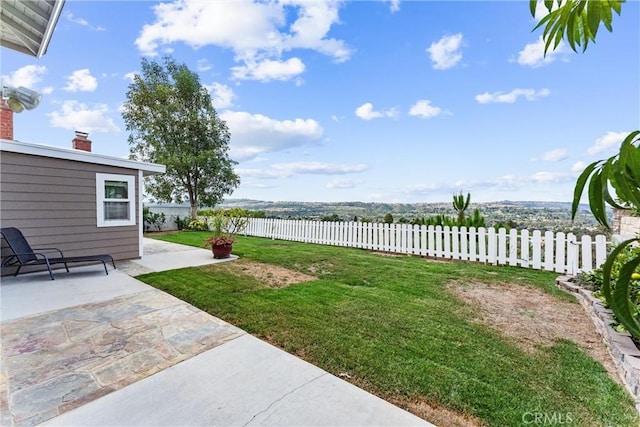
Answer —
172 121
614 181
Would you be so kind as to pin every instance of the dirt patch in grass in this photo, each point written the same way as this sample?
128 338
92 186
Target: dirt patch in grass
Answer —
534 318
272 276
151 234
437 415
320 268
388 254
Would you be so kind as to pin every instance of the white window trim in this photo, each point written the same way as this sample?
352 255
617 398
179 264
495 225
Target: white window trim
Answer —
101 178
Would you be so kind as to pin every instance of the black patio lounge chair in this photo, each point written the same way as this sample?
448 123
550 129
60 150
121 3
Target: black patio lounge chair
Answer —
24 255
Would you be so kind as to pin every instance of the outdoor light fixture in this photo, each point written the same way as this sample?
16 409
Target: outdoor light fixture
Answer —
19 98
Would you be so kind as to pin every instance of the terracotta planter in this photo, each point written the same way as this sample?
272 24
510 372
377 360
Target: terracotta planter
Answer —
221 251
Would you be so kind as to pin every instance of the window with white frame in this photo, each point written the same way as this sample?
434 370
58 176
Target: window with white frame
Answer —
115 199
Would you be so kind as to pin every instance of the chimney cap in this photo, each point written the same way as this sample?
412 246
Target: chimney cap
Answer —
82 134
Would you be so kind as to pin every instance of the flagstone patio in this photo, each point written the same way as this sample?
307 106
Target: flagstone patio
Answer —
57 361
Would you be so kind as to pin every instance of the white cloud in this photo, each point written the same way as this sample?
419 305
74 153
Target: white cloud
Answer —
314 22
287 170
610 140
445 53
424 109
257 32
542 11
268 69
366 112
507 182
343 183
258 185
533 54
318 168
547 177
221 95
511 97
130 76
81 21
254 134
578 167
81 81
203 65
395 5
258 173
27 76
418 189
76 116
555 155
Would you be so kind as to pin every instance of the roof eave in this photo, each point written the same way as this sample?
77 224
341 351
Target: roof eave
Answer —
51 26
148 169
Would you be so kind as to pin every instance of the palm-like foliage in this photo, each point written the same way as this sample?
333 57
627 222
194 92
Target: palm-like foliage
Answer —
622 174
578 21
460 204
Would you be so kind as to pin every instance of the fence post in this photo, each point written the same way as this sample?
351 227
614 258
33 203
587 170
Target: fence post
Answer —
560 252
549 242
464 243
455 243
572 254
492 247
482 244
524 248
586 254
601 250
438 233
446 237
502 246
473 239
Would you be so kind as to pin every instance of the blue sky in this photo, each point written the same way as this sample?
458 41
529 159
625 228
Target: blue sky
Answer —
388 101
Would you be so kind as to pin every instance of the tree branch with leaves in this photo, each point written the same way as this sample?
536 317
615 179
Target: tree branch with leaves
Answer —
615 181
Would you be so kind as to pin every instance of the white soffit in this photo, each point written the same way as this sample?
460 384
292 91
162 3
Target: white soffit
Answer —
27 25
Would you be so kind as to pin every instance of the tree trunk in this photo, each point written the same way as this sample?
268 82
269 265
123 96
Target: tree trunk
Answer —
194 211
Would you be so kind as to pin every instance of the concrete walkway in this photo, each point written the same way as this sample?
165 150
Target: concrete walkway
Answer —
89 349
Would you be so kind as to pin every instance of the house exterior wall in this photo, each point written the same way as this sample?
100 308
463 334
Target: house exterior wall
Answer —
624 225
53 202
629 226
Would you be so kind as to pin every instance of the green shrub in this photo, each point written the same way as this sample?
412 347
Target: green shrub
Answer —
593 281
183 223
199 224
152 220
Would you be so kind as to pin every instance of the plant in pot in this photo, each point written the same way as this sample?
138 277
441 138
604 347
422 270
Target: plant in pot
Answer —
224 227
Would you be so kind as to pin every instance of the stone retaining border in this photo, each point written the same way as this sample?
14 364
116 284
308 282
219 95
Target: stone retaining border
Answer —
626 355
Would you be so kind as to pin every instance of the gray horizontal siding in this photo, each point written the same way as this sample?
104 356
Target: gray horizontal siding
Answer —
53 202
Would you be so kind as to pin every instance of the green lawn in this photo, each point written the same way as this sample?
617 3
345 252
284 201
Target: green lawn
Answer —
391 324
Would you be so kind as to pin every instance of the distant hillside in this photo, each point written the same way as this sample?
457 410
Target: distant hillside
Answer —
555 216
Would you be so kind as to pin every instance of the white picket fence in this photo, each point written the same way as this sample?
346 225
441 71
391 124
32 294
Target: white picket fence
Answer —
559 252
